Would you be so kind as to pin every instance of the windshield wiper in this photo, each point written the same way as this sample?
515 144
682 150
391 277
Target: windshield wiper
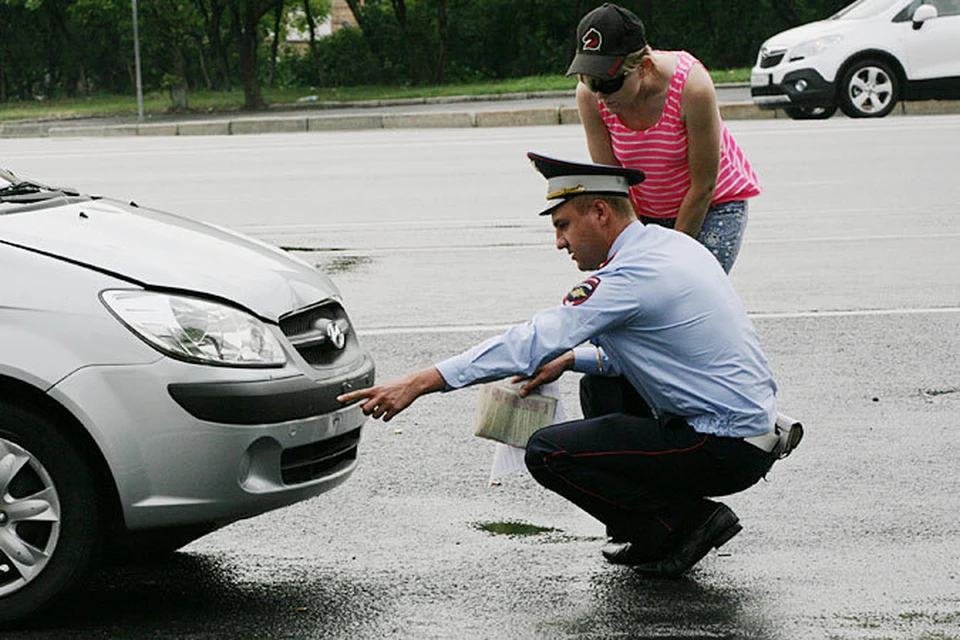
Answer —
22 188
28 191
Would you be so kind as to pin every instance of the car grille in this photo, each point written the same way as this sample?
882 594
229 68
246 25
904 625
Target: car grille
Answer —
312 461
307 330
770 58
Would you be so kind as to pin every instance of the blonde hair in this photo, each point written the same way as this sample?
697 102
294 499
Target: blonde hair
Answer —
634 59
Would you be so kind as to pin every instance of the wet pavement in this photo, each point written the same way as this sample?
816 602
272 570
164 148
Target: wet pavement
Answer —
850 271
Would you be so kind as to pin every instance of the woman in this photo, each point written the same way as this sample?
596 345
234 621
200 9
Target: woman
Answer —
657 111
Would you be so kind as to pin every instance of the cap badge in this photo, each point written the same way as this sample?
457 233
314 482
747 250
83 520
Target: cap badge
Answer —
566 192
592 40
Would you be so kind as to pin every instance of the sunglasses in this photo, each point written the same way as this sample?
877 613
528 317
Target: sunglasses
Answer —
606 87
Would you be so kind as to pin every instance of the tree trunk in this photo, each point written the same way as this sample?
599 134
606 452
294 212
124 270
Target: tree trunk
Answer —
443 34
400 11
75 76
202 59
212 13
356 8
312 28
275 46
246 15
178 84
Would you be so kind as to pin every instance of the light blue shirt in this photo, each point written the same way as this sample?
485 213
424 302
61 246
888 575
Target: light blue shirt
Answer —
661 312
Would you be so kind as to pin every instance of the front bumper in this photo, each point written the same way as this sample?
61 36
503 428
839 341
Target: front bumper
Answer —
227 444
798 88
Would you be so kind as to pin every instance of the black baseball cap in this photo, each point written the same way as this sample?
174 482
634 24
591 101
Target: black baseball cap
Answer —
605 37
567 179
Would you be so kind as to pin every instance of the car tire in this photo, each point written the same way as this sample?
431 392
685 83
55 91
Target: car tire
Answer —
868 89
810 113
50 513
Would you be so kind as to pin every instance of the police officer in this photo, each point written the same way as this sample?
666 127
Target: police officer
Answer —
678 399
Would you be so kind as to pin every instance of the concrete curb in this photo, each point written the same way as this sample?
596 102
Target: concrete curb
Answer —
463 99
415 120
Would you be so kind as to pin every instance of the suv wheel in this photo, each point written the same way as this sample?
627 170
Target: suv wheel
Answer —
869 89
810 113
49 513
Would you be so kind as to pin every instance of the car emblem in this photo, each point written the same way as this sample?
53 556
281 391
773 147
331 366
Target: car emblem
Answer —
336 336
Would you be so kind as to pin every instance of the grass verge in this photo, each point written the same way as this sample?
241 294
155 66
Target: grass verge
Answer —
158 102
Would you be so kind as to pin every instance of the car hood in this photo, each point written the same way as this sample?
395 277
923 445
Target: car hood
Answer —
812 31
162 250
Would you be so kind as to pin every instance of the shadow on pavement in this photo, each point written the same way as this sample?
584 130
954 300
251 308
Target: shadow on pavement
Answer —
693 606
207 596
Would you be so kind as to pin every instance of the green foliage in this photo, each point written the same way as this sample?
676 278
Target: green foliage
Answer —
725 34
344 59
66 48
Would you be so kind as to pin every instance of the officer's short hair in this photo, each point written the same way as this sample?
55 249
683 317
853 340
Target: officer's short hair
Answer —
621 206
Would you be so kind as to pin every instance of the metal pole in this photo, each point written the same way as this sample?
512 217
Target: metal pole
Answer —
136 55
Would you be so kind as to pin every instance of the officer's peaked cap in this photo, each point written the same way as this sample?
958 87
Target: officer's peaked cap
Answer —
566 180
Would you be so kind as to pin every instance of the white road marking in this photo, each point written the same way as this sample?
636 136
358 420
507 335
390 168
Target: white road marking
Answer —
777 315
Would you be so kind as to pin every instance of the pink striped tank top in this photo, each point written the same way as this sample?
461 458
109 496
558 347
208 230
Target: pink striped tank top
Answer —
661 153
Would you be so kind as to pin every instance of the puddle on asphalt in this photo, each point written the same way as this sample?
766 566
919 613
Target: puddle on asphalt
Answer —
930 393
333 263
514 529
940 395
341 264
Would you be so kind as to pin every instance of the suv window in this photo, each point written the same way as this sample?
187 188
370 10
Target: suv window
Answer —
943 7
946 7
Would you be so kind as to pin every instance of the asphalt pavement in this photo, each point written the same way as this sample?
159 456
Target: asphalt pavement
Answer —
849 272
504 110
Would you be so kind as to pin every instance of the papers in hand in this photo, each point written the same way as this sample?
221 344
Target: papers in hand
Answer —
504 416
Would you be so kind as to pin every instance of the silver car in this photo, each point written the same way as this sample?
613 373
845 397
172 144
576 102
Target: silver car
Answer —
159 378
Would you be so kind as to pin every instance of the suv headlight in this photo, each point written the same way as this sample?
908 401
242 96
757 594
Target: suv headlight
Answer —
813 47
196 330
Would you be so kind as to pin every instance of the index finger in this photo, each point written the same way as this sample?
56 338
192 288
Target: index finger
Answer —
359 394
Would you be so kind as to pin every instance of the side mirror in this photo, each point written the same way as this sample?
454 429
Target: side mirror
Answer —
923 13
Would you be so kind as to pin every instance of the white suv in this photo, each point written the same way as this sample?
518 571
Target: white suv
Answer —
863 59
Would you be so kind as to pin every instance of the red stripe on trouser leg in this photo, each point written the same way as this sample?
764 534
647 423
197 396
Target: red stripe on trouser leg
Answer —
640 453
548 463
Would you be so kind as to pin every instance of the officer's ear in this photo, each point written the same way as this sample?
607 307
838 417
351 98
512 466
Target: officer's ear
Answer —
602 209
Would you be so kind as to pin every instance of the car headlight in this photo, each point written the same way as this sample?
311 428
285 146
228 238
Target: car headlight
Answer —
813 47
195 329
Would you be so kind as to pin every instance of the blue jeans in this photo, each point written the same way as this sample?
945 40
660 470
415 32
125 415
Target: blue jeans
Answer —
722 230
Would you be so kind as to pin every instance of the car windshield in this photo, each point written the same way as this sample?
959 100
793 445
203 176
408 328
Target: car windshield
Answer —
864 9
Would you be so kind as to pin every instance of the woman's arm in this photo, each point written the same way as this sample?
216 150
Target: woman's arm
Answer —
699 111
598 138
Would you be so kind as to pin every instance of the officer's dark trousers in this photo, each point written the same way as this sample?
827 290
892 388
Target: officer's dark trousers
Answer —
645 478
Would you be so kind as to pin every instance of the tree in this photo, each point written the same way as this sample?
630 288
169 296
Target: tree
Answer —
245 24
64 47
216 37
